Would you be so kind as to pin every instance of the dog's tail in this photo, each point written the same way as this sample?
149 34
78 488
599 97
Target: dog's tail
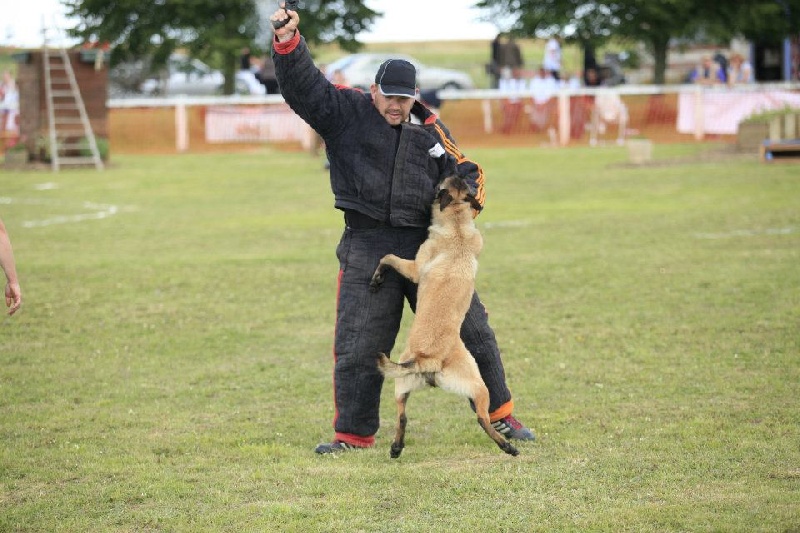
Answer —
390 369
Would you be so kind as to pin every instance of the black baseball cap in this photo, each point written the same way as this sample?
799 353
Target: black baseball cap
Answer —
397 77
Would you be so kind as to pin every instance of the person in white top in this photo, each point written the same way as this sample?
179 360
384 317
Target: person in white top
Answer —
9 103
740 71
511 82
552 56
543 88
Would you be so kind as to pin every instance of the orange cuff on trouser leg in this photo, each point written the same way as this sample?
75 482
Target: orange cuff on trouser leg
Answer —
502 411
355 440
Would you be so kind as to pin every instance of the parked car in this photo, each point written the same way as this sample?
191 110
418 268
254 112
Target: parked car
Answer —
359 71
184 75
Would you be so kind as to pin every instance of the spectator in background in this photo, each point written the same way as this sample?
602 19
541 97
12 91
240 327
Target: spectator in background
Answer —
12 291
591 78
574 81
544 88
430 97
720 59
493 67
552 56
338 78
512 83
244 59
740 71
9 105
589 62
506 55
506 59
266 75
708 72
511 56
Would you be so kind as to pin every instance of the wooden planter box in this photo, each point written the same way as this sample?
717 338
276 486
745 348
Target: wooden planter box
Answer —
751 135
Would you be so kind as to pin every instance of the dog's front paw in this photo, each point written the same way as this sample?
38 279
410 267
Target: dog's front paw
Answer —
376 281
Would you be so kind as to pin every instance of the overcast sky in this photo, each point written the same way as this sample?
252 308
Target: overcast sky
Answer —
404 20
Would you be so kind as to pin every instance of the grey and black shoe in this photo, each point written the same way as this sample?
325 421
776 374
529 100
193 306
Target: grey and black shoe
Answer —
335 447
511 428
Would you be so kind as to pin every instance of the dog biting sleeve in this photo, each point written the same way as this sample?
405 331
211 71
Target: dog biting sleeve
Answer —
465 167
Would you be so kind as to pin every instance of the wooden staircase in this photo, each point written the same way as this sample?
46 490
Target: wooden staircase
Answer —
70 130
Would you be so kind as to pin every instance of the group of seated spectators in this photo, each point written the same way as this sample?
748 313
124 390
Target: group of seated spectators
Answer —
719 71
540 106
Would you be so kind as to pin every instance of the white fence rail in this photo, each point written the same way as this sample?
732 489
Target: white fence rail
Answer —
701 111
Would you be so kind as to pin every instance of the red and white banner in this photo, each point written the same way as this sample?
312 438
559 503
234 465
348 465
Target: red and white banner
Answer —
226 124
721 112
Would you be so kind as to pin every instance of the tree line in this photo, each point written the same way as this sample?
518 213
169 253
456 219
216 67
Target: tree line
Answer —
216 30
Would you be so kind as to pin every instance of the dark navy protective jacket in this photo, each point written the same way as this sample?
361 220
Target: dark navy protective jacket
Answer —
367 174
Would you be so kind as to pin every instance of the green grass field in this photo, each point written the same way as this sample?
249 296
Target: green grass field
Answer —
170 369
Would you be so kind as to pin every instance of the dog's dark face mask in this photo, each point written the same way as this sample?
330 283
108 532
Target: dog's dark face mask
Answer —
461 186
445 198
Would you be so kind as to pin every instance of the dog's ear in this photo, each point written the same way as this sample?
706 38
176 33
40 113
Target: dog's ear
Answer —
476 205
472 192
444 198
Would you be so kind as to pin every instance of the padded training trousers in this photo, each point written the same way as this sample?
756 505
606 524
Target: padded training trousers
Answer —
368 323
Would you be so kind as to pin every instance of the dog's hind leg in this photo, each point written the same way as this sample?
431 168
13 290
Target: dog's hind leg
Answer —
462 377
406 381
400 430
481 401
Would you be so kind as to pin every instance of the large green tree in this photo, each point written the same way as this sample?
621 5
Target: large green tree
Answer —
212 30
768 21
654 23
592 23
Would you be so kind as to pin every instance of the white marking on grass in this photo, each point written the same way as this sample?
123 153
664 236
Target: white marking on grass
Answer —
102 211
507 224
745 233
49 186
96 212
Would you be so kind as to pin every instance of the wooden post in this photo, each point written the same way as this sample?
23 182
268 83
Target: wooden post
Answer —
775 126
699 114
563 118
790 126
487 116
181 127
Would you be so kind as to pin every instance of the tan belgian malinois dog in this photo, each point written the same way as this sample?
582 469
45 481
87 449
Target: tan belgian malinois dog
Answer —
444 269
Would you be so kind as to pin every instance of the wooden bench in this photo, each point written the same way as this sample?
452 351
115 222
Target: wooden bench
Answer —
784 150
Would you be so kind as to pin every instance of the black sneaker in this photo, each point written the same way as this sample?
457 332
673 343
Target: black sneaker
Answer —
511 428
335 447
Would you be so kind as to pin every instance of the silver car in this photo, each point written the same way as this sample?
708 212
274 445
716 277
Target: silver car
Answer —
193 77
359 71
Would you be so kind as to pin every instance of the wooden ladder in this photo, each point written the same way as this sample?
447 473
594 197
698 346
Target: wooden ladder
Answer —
69 125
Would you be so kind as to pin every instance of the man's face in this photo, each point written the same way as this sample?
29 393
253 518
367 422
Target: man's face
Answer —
395 109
